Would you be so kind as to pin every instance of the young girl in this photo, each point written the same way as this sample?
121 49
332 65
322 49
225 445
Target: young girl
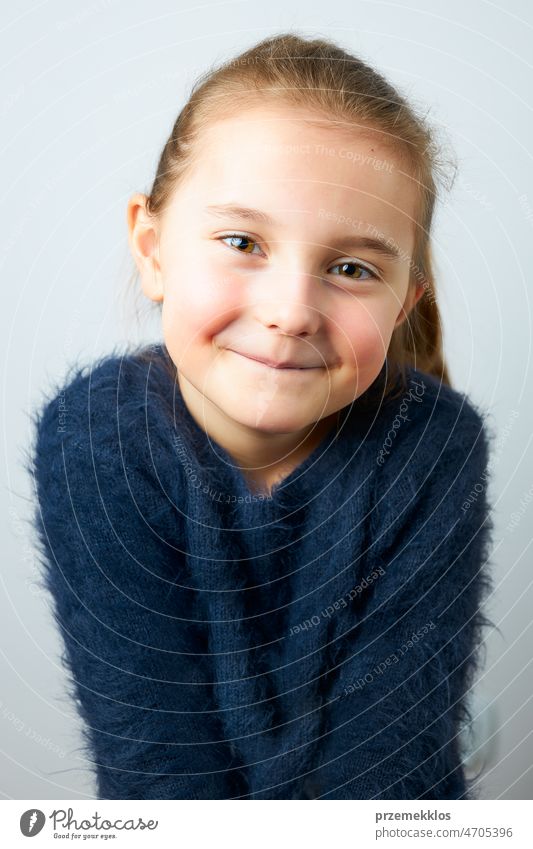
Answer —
266 537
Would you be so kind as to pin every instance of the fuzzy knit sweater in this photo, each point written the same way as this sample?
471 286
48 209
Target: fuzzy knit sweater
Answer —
320 643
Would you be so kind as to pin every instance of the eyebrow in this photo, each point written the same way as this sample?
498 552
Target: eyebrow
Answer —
380 246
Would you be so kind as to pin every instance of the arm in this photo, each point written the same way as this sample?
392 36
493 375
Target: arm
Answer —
398 719
114 567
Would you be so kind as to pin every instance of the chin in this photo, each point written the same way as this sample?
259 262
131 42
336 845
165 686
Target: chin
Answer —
270 417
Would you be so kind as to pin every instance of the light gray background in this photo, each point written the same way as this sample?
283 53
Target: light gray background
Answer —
89 93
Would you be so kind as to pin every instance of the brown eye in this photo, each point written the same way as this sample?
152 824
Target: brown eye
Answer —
244 244
353 270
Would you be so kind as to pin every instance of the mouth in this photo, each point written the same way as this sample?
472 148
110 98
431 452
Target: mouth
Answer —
272 364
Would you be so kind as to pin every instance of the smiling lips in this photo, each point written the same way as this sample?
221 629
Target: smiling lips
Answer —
285 364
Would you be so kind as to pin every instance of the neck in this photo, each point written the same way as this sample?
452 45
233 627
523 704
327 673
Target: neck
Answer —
264 458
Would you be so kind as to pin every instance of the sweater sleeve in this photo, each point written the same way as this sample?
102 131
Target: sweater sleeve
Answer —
417 645
113 563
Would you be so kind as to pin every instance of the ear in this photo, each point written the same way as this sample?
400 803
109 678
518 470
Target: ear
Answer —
413 296
143 239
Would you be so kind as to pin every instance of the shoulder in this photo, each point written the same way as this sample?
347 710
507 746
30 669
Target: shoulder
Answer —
103 418
93 395
103 382
108 489
432 474
432 429
446 411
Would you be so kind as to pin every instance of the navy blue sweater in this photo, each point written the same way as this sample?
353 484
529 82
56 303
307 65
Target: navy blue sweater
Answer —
220 644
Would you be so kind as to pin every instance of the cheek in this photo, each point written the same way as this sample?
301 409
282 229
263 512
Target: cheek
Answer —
365 335
199 304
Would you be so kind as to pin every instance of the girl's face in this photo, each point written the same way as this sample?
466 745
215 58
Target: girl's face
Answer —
282 263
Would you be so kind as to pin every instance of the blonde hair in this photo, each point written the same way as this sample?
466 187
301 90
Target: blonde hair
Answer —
344 92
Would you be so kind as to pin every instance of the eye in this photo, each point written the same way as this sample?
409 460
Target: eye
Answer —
354 270
241 242
245 245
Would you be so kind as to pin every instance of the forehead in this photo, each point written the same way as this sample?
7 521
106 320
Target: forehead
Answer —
276 159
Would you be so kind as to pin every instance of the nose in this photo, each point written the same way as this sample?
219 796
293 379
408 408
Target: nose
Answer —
291 305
